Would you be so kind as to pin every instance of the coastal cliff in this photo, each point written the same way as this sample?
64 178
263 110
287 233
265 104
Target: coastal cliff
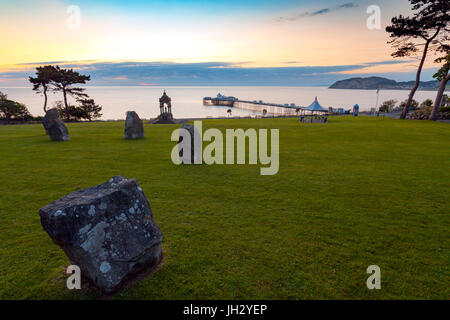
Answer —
374 83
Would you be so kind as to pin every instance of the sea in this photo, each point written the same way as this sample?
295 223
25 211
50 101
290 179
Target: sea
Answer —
187 102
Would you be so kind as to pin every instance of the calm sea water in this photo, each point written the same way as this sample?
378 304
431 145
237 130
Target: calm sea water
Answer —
187 101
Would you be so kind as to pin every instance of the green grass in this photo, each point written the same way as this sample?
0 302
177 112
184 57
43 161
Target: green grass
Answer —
349 194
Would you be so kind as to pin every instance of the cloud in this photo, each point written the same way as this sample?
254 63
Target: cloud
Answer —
121 78
375 63
323 11
348 5
138 73
50 62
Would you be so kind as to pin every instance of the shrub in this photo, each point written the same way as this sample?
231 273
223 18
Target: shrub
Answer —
12 110
424 114
414 106
426 104
388 106
87 110
75 113
444 109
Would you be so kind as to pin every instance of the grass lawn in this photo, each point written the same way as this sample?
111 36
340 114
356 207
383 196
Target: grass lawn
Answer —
349 194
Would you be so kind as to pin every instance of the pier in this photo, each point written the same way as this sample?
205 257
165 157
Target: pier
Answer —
270 108
255 105
266 108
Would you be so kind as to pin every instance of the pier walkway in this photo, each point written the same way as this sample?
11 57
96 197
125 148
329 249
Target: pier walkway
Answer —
270 108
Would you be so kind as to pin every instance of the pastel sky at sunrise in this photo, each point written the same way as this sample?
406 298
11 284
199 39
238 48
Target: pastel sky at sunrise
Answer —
125 41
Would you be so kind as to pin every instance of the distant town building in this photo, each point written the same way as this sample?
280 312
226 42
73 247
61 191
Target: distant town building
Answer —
220 100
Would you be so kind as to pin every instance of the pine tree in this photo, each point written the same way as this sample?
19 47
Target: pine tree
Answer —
43 80
64 80
90 109
428 27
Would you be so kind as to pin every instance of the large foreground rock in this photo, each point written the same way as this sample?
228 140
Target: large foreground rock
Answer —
58 131
50 116
134 128
107 230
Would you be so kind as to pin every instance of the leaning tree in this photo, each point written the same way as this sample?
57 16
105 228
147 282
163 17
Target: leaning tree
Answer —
64 80
43 80
428 27
442 75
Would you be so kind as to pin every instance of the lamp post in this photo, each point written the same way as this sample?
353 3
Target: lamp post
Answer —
376 103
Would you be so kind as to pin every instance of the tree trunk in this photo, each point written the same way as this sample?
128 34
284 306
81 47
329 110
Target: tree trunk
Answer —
65 105
440 94
416 84
45 100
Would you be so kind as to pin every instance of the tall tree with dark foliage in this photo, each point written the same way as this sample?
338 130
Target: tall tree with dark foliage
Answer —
43 81
428 27
64 80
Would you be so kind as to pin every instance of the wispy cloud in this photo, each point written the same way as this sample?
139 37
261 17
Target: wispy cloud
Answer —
323 11
133 73
348 5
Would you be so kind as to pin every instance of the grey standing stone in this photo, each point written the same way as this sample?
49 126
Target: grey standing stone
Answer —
134 128
58 131
107 230
194 145
50 116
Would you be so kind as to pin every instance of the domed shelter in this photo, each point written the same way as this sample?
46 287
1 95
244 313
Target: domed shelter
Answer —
315 107
316 113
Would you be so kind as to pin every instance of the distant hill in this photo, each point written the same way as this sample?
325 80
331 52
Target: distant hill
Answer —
382 83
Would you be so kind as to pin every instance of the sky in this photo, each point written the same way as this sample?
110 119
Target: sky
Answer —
193 42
